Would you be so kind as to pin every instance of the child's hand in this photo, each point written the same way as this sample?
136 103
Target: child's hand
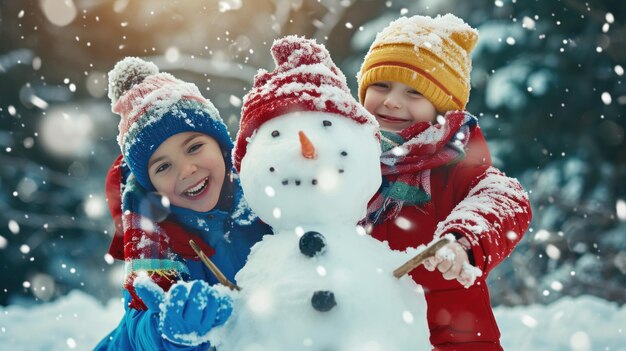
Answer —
453 262
188 311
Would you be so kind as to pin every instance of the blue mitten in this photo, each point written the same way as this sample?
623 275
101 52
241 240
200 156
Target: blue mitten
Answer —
149 292
188 311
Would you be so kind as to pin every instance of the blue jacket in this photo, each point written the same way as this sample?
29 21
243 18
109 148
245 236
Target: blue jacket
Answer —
138 329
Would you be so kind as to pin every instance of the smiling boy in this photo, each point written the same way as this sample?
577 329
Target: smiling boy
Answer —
188 168
398 106
437 175
175 144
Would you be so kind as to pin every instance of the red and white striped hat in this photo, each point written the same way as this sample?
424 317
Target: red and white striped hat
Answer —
305 79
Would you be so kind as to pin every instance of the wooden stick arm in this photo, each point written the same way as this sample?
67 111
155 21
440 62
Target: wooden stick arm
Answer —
419 258
212 267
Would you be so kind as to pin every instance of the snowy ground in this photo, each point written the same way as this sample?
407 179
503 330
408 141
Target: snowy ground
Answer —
77 322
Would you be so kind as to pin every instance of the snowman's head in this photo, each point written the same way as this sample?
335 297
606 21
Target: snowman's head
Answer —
307 168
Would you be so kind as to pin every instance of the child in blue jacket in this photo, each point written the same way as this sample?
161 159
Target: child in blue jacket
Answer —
173 144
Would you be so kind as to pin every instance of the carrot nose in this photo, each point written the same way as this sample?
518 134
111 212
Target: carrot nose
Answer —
306 146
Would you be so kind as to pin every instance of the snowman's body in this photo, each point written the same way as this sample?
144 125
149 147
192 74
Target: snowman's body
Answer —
334 294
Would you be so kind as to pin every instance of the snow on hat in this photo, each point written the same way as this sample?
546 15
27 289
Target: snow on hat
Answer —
431 55
305 79
154 106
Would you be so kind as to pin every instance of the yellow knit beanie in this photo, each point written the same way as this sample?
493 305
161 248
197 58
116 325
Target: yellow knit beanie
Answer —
431 55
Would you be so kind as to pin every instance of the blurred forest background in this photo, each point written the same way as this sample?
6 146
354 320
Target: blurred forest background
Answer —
547 85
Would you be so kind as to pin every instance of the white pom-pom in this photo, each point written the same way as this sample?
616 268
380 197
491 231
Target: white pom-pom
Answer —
127 73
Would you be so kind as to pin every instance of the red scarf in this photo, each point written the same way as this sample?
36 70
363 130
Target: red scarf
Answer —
408 157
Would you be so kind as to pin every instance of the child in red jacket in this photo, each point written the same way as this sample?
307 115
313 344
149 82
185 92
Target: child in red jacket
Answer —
438 176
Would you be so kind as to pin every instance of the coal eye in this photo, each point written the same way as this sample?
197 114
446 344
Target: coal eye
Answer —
275 133
327 123
343 153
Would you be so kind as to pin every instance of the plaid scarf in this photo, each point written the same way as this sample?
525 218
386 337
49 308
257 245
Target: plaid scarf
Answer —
408 158
159 248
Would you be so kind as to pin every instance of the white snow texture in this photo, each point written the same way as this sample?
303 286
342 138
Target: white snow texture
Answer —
327 194
78 322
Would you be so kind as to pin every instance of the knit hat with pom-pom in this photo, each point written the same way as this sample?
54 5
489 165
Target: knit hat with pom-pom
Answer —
431 55
305 79
154 106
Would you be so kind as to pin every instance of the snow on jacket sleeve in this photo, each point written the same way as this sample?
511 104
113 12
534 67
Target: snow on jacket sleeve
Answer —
493 215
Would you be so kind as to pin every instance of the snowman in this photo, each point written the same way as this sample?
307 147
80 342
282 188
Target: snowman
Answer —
308 158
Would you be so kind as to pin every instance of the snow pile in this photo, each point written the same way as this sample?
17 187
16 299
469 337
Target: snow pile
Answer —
78 322
585 323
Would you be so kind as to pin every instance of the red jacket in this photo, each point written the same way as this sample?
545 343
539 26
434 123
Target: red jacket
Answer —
476 201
